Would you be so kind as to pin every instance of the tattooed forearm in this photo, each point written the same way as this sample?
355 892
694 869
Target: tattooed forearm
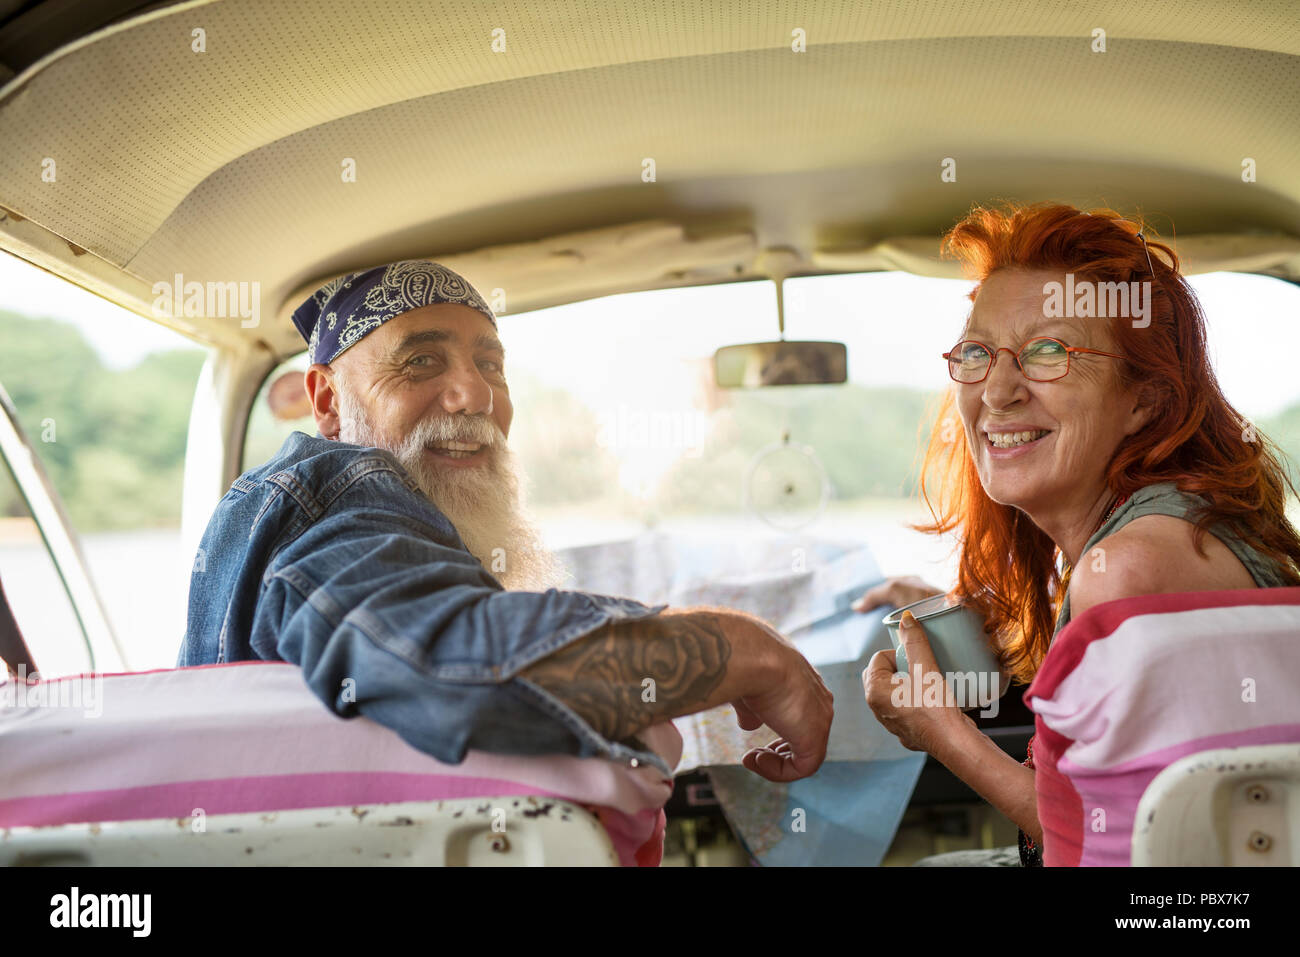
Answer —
603 677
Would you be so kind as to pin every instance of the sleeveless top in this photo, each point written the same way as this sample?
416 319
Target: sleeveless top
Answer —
1163 498
1166 499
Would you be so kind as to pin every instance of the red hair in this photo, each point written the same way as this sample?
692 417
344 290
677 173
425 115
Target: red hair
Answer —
1195 438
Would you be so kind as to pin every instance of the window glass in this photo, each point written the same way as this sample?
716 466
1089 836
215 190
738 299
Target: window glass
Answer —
34 591
105 396
281 407
1253 328
620 428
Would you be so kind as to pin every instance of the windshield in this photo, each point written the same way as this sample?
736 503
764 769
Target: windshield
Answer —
621 430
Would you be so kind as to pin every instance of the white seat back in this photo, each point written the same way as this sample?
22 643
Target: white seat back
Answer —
475 832
1229 807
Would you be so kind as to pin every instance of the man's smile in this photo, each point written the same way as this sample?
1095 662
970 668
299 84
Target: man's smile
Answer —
457 454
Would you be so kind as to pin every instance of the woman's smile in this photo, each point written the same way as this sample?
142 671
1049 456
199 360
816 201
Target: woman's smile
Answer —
1006 442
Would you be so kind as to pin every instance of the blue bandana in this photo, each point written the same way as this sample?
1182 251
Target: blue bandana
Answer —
342 311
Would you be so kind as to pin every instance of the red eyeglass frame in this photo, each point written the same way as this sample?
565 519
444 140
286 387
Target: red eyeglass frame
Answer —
1015 356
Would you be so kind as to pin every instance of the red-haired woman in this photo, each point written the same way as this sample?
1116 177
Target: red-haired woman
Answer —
1096 459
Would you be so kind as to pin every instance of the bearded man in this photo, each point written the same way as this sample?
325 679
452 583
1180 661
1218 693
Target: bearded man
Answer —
390 559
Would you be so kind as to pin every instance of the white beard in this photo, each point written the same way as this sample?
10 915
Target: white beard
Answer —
483 503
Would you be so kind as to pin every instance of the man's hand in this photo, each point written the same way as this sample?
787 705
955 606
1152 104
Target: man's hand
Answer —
696 659
896 592
796 704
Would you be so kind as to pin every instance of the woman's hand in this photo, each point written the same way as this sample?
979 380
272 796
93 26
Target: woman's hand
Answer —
896 592
898 702
952 738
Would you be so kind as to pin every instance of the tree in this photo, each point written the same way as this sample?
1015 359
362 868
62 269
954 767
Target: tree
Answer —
112 441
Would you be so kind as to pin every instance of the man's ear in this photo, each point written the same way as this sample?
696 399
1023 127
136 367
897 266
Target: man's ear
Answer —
322 391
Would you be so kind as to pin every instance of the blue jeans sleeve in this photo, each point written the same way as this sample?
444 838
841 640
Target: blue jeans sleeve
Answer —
386 621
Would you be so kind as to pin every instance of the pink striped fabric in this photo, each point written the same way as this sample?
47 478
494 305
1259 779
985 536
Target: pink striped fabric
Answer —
1131 686
252 737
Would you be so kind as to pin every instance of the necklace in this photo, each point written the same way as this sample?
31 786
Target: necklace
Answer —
1106 518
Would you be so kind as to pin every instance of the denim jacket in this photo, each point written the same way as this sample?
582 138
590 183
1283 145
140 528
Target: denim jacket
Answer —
329 556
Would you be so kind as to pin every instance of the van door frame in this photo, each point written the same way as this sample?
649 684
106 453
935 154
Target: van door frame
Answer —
61 542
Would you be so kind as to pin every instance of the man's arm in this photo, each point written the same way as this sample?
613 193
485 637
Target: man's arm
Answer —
629 675
391 623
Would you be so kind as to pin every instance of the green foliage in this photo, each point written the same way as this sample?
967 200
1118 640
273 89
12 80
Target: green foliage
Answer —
555 435
113 441
865 438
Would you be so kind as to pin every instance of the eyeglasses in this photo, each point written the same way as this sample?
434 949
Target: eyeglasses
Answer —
1043 359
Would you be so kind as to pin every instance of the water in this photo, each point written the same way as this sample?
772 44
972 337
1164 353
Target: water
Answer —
142 580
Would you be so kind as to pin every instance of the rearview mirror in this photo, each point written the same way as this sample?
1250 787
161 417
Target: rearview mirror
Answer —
753 364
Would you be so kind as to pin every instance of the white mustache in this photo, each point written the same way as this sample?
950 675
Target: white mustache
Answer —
470 429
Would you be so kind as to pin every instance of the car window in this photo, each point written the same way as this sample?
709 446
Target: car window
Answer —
620 428
34 591
1253 332
105 396
281 407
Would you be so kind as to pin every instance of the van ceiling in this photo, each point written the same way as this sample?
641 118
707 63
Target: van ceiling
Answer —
524 167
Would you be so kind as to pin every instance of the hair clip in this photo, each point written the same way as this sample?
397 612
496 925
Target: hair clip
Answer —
1147 249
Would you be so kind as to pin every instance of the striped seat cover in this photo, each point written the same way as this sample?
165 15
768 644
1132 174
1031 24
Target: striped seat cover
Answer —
1131 686
251 736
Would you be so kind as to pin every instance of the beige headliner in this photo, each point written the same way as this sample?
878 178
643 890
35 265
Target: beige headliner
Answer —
225 165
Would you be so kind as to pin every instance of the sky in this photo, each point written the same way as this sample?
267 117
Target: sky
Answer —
896 325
